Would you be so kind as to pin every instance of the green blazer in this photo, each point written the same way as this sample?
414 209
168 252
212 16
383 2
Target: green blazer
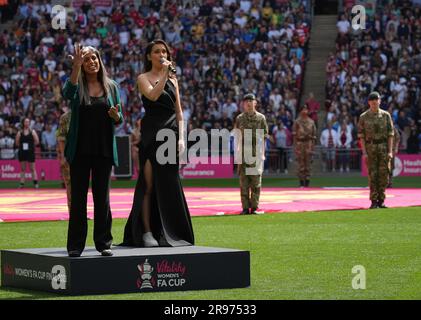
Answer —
71 92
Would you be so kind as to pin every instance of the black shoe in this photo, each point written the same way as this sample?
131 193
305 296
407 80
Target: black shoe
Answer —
245 211
374 205
306 183
253 210
302 183
74 253
381 205
106 253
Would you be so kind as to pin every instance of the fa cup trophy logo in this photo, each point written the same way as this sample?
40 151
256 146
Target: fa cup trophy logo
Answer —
145 274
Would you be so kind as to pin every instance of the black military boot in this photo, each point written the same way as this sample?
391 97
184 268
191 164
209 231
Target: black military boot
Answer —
302 183
307 183
245 211
374 205
381 205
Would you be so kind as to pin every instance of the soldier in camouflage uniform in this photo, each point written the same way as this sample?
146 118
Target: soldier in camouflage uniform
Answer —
61 134
375 131
250 172
304 135
396 141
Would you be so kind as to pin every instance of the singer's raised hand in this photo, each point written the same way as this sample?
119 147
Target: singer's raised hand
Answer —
77 59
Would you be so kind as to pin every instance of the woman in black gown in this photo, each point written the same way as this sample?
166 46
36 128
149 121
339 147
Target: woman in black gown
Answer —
159 215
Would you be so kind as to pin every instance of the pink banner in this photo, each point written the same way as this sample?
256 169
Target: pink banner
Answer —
406 165
47 169
204 168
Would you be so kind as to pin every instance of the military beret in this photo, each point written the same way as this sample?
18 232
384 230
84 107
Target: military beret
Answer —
249 96
373 96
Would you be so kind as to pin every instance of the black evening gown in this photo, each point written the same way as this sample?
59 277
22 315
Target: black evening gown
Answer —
170 217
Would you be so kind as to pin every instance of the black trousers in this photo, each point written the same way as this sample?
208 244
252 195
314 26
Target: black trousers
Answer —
80 170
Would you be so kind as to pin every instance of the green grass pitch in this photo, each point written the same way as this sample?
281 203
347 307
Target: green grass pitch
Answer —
293 255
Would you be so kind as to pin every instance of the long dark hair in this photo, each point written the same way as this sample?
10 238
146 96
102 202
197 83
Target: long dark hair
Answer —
23 123
106 82
146 62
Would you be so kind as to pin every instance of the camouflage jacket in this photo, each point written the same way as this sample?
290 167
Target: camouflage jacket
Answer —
304 129
253 122
375 126
63 126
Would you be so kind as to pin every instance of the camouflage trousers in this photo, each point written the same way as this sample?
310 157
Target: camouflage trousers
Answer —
65 174
303 155
250 190
378 165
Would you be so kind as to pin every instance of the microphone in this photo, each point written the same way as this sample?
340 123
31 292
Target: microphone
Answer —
170 67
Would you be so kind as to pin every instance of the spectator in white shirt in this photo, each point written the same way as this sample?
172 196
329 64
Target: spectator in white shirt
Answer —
7 143
48 40
92 41
279 138
230 107
296 66
26 100
213 110
124 36
274 33
138 32
256 56
401 90
48 140
343 25
172 36
51 63
287 30
229 2
276 98
240 19
344 141
245 5
42 49
329 140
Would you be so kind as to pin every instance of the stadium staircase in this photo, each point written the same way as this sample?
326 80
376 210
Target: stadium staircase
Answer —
322 42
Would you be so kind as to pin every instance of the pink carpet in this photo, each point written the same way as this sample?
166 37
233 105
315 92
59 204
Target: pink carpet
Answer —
50 204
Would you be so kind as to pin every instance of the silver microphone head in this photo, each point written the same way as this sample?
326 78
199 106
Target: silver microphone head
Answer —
170 67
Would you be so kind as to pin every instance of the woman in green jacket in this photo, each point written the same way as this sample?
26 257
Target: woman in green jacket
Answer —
91 148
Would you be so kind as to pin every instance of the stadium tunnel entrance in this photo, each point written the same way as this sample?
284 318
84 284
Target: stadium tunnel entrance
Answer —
326 7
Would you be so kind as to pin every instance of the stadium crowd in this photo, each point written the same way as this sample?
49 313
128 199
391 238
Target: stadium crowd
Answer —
222 49
386 57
